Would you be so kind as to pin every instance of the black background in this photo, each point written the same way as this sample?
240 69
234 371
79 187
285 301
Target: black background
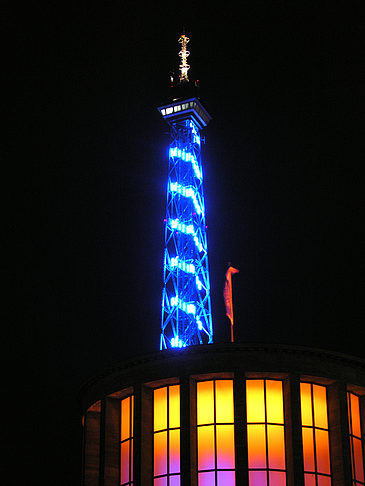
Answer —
283 166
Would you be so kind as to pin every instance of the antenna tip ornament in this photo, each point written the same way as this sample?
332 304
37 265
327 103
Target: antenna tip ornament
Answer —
184 53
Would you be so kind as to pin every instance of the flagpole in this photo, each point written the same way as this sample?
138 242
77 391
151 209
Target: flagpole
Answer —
227 295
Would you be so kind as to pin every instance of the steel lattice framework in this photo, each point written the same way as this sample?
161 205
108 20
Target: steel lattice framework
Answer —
186 308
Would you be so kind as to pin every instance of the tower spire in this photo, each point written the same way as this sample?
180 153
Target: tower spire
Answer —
184 53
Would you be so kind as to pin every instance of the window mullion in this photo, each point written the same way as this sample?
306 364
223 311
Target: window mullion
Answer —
266 437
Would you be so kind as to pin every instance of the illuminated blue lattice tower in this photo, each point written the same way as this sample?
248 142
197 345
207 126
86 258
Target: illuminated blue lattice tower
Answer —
186 308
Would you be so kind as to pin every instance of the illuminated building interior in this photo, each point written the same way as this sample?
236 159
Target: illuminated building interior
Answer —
225 415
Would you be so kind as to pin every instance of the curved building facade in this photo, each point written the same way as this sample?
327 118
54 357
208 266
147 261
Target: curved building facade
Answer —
227 414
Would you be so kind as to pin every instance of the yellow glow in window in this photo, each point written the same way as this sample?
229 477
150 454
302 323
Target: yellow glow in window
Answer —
206 447
174 406
274 402
308 449
355 415
255 398
276 446
160 453
320 406
160 409
125 419
225 446
306 404
323 451
224 401
256 443
205 397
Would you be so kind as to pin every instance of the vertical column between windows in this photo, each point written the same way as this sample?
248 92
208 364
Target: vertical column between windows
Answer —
356 439
91 459
215 433
265 433
126 441
166 436
315 435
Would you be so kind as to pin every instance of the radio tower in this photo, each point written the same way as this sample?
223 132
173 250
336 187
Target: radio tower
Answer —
186 309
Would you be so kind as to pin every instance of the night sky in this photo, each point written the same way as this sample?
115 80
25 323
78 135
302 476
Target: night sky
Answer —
283 181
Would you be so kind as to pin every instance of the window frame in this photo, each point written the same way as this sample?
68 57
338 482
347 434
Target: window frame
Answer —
266 423
355 482
216 470
168 474
129 439
313 427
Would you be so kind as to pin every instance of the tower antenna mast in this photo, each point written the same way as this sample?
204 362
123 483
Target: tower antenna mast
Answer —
186 316
184 53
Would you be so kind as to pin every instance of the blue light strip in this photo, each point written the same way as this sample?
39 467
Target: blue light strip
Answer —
186 267
188 157
188 229
188 308
175 262
187 192
177 343
196 136
198 283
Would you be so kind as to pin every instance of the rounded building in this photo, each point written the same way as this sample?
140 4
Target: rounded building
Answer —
227 414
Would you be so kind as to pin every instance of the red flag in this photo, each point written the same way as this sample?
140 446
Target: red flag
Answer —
227 294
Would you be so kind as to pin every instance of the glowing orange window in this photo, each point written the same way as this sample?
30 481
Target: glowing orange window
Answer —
356 441
265 433
126 441
215 433
166 436
315 435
